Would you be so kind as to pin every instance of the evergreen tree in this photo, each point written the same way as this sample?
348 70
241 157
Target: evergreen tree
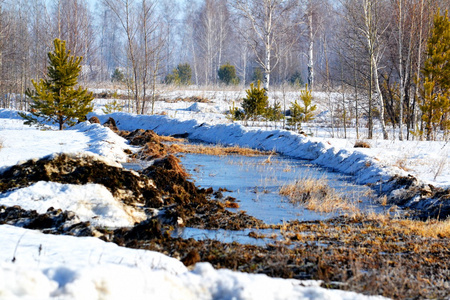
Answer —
185 73
307 110
227 74
181 75
258 75
55 99
117 76
303 113
274 113
436 85
296 116
256 102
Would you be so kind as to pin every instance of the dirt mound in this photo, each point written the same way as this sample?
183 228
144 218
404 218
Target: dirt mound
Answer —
140 137
54 221
425 200
125 185
111 123
94 120
152 144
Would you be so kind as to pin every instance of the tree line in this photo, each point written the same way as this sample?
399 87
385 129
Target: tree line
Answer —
375 53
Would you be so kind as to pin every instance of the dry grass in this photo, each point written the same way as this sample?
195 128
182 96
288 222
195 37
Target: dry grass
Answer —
219 150
439 166
1 144
316 195
361 144
430 228
163 138
229 204
401 163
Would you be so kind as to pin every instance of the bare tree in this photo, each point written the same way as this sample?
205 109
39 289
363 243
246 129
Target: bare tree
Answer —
74 24
126 16
152 40
365 18
269 21
210 35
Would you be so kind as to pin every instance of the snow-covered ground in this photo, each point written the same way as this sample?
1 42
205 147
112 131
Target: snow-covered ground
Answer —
38 266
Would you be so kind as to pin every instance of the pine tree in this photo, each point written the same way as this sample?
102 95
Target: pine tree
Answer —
56 99
303 113
256 102
436 85
307 110
181 75
227 74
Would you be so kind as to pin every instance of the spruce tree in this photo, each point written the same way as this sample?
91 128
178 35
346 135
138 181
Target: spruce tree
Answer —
56 99
308 110
436 85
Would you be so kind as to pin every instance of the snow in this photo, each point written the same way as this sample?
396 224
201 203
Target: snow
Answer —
65 267
429 161
38 266
91 202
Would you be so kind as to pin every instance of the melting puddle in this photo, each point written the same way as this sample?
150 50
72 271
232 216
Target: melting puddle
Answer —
230 236
256 183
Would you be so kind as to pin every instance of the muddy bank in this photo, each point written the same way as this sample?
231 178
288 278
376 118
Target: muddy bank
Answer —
422 200
163 190
358 254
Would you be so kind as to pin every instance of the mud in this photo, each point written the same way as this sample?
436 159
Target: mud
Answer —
424 201
54 221
127 186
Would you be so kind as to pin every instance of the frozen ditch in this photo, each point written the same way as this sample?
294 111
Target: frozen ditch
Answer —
255 182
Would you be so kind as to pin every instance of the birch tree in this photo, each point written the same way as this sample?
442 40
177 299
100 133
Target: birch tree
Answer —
125 15
365 17
269 22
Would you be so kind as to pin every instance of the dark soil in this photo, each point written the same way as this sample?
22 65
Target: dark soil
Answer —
152 146
125 185
424 201
54 221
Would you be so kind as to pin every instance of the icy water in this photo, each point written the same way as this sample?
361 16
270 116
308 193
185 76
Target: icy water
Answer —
256 183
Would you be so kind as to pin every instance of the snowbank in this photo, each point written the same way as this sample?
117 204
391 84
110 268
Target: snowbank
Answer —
38 266
90 202
21 142
363 167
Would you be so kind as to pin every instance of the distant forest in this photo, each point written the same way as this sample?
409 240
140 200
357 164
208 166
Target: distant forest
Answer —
368 47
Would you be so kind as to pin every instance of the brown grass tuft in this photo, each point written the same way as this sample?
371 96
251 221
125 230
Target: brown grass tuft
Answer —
219 150
316 195
229 204
361 144
401 164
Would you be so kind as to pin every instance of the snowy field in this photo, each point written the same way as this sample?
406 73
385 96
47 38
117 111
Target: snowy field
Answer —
38 266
